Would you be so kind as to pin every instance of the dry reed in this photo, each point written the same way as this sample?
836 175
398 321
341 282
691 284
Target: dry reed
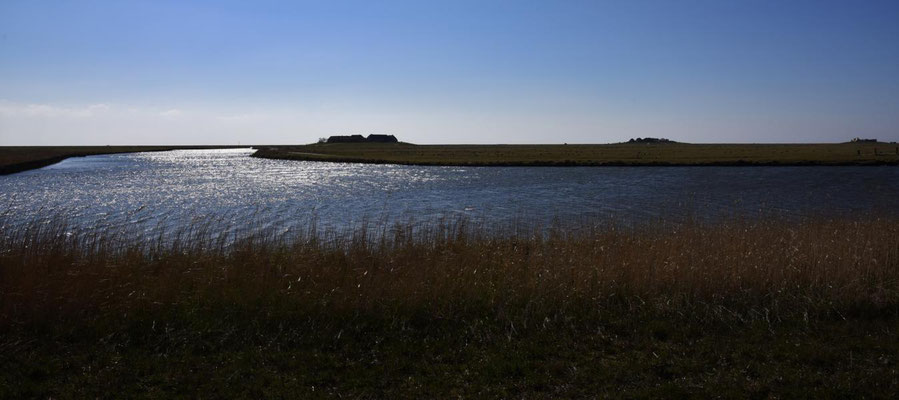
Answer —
764 269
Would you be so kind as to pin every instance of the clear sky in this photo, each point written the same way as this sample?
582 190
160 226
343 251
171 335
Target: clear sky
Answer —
220 72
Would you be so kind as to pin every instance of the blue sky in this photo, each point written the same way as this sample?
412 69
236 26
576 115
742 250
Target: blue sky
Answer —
144 72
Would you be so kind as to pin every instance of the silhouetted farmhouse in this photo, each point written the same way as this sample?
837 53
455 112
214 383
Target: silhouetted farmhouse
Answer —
860 140
382 138
362 139
650 140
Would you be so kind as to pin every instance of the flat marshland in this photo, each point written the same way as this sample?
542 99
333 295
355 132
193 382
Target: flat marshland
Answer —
592 154
22 158
736 308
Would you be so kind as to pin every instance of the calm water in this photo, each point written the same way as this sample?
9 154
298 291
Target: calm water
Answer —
177 187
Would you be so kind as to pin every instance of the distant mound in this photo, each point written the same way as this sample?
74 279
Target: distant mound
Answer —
374 138
650 140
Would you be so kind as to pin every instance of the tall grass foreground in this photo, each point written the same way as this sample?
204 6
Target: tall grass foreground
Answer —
736 270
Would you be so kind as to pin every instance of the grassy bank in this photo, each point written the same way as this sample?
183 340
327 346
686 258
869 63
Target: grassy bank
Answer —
22 158
742 309
593 155
17 159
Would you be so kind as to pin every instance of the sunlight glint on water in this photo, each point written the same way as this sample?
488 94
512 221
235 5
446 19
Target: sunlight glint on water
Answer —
177 188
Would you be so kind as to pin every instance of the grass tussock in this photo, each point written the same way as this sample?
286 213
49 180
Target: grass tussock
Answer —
678 293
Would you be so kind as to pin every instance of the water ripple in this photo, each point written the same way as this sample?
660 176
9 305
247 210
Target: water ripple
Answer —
175 188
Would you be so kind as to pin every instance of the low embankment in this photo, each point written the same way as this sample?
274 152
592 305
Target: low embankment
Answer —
22 158
625 154
739 308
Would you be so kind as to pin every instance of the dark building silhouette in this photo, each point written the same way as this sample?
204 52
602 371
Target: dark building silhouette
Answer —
362 139
346 139
650 140
381 139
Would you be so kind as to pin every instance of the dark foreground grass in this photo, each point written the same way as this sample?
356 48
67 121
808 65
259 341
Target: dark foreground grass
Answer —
625 154
22 158
740 309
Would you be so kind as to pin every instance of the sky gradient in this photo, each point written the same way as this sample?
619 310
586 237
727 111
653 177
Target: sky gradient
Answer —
160 72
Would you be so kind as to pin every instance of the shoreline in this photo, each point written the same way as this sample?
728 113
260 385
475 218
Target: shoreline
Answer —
605 155
743 163
15 159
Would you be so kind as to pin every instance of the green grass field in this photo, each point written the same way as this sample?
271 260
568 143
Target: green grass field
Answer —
739 309
22 158
606 154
